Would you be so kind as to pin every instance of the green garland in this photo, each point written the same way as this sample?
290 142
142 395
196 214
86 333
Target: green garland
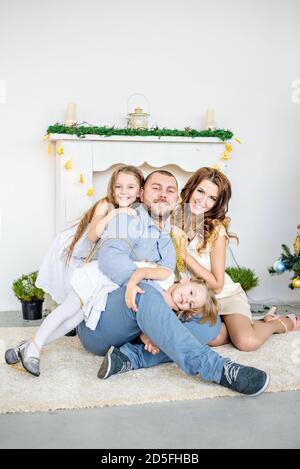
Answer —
81 131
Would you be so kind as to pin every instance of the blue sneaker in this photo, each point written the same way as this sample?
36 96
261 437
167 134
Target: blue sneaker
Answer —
114 362
244 379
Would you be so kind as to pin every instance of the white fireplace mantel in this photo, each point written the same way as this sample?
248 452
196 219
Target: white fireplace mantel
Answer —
95 154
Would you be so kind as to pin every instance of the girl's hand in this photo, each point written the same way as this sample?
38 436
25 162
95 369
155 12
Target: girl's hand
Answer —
149 345
130 295
128 210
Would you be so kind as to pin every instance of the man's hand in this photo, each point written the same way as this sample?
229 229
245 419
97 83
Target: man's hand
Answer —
149 345
130 295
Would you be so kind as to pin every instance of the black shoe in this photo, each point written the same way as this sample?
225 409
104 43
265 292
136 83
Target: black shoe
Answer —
113 363
71 333
244 379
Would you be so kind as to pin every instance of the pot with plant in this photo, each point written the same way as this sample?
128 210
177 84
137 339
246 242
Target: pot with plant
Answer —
246 277
30 296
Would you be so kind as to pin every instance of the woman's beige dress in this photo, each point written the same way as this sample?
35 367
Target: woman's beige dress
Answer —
232 298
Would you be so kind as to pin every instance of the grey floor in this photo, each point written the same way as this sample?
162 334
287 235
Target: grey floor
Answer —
268 421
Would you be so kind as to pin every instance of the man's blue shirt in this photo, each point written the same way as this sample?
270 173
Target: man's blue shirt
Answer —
134 238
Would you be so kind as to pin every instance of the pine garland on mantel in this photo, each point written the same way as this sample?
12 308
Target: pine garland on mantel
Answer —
82 130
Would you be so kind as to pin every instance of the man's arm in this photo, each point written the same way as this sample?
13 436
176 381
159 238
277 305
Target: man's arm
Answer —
116 247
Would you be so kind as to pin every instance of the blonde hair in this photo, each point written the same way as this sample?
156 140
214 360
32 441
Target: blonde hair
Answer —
109 198
211 307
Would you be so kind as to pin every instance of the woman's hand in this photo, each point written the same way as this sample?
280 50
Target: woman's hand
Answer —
149 345
128 210
130 295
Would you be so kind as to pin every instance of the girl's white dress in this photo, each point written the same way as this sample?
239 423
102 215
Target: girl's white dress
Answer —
55 274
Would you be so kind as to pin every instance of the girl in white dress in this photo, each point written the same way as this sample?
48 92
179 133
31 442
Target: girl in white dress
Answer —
123 190
205 197
70 247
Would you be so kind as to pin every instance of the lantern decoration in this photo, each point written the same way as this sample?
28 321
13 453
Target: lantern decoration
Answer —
138 119
279 267
81 178
49 149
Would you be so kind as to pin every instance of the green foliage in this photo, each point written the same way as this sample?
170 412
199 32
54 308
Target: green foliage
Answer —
24 288
291 262
246 277
81 131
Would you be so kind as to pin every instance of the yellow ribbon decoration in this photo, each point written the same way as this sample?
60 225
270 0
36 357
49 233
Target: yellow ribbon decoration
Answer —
68 164
178 244
90 191
60 150
225 156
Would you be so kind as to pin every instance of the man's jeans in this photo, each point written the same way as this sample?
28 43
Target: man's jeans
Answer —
140 358
119 324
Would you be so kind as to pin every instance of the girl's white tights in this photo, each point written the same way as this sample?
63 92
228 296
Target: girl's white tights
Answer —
60 321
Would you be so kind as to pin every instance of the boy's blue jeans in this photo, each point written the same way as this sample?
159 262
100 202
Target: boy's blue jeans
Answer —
119 325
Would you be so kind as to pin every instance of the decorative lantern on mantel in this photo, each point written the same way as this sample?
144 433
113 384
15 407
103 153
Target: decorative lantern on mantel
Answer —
137 119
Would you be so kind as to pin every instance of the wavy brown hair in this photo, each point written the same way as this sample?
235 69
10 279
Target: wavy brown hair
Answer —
216 216
211 307
109 198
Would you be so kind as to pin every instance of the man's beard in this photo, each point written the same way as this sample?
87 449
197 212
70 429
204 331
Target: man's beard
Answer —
158 215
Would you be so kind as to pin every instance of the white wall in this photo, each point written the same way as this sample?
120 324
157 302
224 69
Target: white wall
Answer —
239 57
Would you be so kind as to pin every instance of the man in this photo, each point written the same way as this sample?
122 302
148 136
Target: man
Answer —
147 237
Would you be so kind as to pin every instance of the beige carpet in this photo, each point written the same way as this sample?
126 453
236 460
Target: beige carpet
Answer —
69 376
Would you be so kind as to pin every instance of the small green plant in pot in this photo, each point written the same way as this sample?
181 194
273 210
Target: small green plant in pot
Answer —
246 277
30 296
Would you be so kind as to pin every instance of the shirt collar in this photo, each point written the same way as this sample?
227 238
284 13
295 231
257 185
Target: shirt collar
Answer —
166 229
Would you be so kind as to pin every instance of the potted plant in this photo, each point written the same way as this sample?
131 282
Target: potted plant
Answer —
246 277
30 296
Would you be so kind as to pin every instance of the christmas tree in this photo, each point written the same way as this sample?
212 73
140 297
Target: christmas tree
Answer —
290 262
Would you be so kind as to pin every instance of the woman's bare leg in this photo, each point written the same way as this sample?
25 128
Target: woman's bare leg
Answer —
247 336
221 339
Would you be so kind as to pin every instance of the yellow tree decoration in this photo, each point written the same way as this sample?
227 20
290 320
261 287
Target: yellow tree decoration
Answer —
296 244
81 178
49 149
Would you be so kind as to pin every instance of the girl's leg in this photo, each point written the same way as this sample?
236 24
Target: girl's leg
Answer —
65 327
68 309
247 336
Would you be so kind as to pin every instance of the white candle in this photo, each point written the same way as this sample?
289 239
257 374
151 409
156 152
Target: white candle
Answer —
71 114
209 119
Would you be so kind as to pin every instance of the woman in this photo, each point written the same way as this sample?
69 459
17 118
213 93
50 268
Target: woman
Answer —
204 205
